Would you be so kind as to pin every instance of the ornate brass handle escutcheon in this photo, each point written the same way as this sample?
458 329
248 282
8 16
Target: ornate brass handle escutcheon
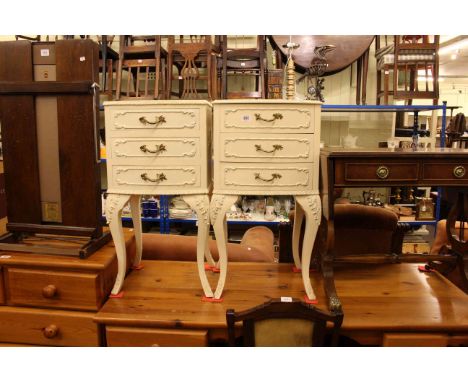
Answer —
276 116
158 121
275 148
159 148
459 171
273 177
383 172
159 178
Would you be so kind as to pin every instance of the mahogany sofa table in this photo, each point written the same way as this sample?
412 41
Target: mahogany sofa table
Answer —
383 167
392 304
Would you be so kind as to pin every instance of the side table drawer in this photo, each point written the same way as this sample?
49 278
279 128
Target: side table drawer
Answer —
452 172
44 288
123 336
155 176
274 147
375 172
263 177
154 119
46 327
268 118
154 150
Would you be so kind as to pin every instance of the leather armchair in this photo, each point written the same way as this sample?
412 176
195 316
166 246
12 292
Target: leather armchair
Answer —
256 246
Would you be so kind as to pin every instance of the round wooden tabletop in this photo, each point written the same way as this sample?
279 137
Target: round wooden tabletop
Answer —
348 49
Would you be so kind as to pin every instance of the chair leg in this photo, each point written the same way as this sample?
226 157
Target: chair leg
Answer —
365 69
386 81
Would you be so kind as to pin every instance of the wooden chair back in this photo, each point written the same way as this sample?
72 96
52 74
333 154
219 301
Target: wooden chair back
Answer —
278 323
416 67
141 58
189 54
247 62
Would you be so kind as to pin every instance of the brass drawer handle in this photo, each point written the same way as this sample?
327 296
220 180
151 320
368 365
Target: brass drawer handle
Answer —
51 331
383 172
459 171
49 291
276 116
273 177
159 178
158 121
275 148
158 150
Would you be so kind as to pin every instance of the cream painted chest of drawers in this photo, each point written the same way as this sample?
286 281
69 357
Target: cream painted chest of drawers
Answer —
157 148
267 147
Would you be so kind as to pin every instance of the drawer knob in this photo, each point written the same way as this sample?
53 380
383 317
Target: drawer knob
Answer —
459 171
383 172
273 177
49 291
159 148
159 178
275 148
50 331
276 116
157 121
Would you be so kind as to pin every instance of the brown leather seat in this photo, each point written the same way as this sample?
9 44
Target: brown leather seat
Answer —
363 229
256 246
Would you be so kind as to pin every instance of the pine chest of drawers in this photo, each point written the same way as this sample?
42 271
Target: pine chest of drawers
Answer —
52 300
267 147
157 148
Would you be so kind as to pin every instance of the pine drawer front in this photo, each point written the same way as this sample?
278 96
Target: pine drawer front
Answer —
123 336
292 118
273 148
154 150
156 120
2 288
47 327
265 178
61 290
155 179
456 172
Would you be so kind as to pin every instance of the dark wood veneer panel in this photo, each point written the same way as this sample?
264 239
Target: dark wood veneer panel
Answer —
17 115
79 171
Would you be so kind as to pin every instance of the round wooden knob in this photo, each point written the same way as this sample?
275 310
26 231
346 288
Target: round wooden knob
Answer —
49 291
51 331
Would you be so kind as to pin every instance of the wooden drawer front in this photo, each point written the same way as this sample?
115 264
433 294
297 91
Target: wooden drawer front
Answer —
266 178
274 148
156 177
154 151
122 336
279 118
456 172
415 339
154 119
41 288
47 327
368 172
2 288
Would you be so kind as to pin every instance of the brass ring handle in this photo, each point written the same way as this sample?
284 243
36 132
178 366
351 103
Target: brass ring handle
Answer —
159 178
276 116
275 148
50 331
49 291
459 171
158 121
159 149
383 172
273 177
